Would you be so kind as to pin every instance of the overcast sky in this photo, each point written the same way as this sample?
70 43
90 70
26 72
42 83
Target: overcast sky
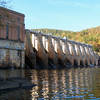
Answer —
74 15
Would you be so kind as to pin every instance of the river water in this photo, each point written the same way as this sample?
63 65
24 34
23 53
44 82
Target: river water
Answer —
64 84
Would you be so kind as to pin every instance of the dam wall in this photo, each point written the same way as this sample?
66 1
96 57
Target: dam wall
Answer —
54 52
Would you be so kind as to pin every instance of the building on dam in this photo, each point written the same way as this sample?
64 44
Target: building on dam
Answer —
12 33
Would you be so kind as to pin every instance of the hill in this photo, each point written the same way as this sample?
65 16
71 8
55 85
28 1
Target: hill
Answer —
53 31
89 36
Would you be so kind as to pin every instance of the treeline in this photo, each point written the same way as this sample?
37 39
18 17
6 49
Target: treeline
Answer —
89 36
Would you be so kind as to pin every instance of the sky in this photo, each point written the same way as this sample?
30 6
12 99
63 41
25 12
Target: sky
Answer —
74 15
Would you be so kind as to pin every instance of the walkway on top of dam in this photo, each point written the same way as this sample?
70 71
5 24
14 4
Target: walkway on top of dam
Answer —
45 49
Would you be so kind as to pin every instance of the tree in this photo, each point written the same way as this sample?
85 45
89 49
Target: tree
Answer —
3 3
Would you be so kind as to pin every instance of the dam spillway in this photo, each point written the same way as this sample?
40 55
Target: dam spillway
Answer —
51 51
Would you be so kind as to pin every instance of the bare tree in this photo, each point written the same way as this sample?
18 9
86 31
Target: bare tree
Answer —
4 3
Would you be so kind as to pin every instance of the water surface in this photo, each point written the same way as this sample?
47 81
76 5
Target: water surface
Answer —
65 84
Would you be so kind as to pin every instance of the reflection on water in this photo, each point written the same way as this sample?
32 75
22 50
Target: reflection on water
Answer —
66 84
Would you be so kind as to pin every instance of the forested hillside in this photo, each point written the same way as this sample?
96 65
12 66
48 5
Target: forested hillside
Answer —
89 36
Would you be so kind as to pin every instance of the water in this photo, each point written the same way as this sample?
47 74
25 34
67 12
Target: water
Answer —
65 84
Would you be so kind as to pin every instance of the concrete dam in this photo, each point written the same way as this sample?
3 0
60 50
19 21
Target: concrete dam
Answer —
47 51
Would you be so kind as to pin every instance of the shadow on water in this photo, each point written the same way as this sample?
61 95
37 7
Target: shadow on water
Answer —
65 84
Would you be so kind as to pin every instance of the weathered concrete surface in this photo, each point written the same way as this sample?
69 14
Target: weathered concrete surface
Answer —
69 54
11 54
60 54
42 53
52 55
30 54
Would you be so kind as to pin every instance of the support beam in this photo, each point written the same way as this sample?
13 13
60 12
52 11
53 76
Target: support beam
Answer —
29 53
52 55
81 54
84 55
58 49
70 53
66 51
42 56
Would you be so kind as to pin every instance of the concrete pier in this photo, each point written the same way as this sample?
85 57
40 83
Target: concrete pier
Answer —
52 55
56 50
39 44
30 55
